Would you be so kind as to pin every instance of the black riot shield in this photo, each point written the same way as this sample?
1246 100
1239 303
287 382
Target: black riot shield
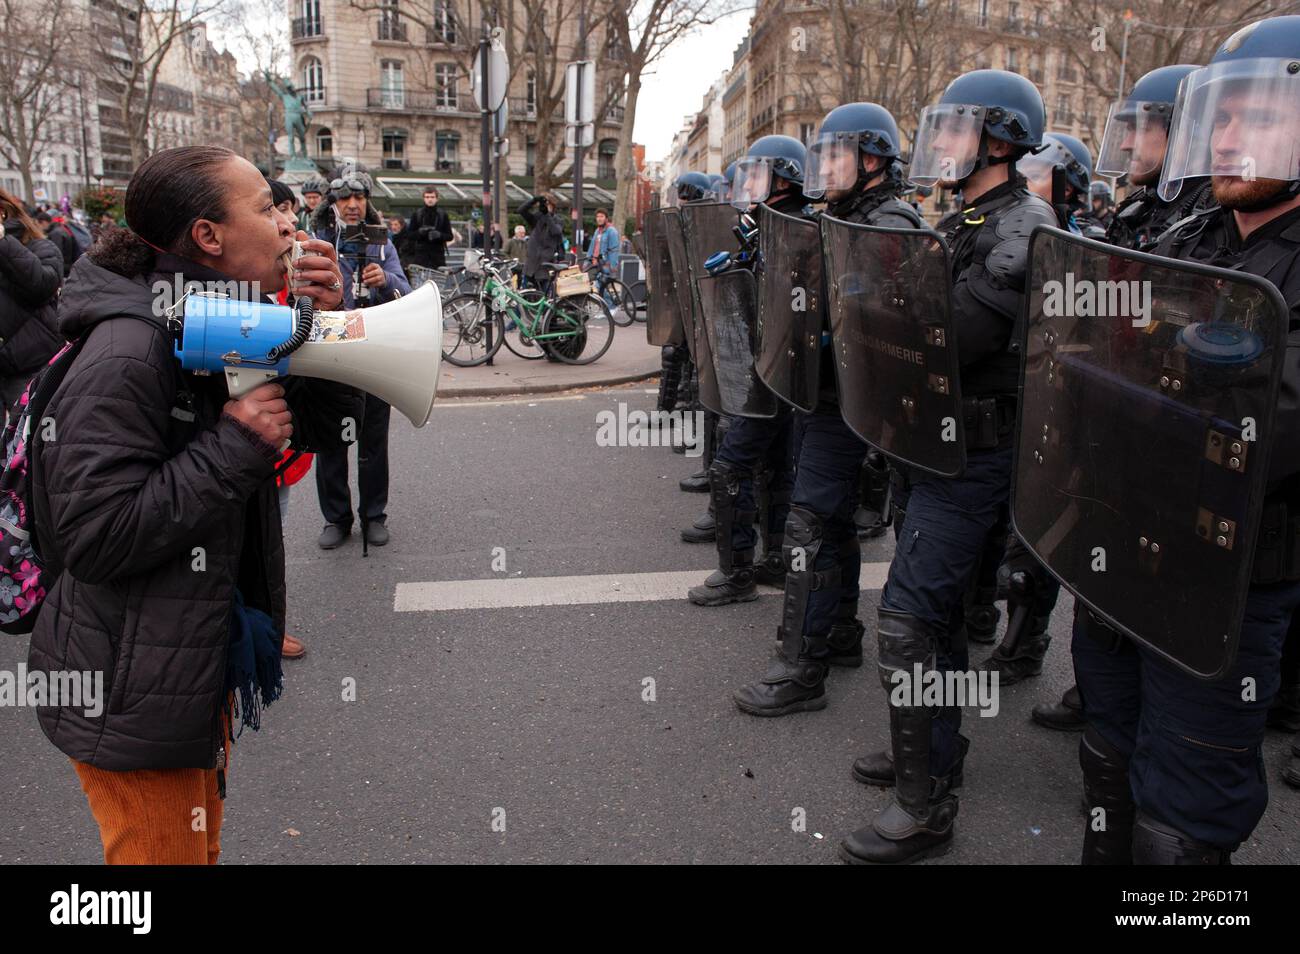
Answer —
1148 389
895 351
790 307
663 313
707 228
729 306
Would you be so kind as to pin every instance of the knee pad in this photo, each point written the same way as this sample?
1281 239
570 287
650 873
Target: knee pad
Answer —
904 641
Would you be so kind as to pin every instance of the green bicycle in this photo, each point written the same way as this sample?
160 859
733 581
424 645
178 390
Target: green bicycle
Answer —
574 330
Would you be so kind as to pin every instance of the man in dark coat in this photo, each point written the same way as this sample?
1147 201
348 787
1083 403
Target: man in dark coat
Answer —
430 231
545 236
31 270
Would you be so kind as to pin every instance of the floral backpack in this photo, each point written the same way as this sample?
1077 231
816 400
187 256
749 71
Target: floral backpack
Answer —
24 574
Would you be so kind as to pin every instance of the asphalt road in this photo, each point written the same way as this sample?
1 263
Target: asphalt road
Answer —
536 715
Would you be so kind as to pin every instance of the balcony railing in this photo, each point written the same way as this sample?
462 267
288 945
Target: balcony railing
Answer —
413 101
305 28
615 114
448 165
522 109
391 29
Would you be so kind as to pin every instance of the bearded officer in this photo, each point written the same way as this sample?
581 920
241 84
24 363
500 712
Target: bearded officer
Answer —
1175 762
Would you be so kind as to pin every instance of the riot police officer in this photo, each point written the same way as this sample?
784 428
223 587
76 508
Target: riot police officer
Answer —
984 122
854 164
772 172
1174 762
1133 145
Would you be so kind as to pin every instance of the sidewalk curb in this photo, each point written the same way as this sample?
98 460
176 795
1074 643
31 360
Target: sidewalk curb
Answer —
547 387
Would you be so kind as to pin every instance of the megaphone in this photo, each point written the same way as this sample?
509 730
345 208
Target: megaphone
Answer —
393 351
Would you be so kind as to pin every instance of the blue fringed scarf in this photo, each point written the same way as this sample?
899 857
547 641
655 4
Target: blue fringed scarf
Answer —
253 676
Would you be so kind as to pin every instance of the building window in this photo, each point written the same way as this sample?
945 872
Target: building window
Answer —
392 85
805 133
530 157
324 142
445 92
444 22
311 24
448 150
614 46
984 13
394 148
1013 59
605 156
530 94
313 80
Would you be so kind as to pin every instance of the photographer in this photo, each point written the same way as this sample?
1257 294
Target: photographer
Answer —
153 466
545 237
31 270
372 275
430 230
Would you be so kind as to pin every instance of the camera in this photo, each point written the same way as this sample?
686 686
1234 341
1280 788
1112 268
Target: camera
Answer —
363 235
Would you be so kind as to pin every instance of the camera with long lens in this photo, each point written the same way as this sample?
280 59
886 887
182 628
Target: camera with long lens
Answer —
363 235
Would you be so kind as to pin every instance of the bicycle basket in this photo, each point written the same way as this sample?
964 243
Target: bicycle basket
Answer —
571 282
474 261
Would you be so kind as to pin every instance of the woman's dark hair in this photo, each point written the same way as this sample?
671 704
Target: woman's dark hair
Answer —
11 207
170 191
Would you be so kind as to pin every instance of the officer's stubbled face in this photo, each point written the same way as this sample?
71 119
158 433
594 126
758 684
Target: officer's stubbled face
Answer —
352 208
841 171
1247 127
1145 143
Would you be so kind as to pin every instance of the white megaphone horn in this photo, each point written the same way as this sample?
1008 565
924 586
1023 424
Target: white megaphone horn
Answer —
393 351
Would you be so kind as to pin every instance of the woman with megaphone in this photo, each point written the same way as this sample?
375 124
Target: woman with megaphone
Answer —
155 504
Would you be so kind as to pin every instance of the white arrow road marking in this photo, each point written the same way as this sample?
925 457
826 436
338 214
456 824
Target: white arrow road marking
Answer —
571 590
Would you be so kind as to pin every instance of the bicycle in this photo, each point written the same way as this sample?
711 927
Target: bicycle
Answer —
616 294
574 330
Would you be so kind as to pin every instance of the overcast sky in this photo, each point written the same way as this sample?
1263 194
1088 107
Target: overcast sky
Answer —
674 90
681 78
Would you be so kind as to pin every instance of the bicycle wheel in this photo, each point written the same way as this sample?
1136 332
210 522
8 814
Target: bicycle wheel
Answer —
471 331
583 327
516 337
622 306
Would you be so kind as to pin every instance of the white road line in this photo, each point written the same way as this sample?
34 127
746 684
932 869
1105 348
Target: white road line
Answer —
459 402
570 590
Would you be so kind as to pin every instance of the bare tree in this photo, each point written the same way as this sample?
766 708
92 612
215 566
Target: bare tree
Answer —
646 29
36 70
1160 33
261 110
137 36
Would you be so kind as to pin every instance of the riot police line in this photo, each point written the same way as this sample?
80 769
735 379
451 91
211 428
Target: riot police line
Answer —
1063 397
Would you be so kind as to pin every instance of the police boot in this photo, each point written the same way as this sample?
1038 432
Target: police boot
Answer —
877 768
770 570
796 681
919 821
1155 843
1065 716
1108 797
695 484
844 642
1020 654
731 583
1292 773
703 530
982 615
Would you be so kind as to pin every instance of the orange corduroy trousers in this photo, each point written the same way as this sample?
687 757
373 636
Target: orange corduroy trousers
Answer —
156 816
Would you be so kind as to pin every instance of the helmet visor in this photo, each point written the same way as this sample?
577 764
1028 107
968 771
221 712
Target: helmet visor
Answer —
1237 119
753 182
1135 138
833 163
947 143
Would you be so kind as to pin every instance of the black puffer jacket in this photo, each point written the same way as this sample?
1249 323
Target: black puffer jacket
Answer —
145 470
30 276
545 237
